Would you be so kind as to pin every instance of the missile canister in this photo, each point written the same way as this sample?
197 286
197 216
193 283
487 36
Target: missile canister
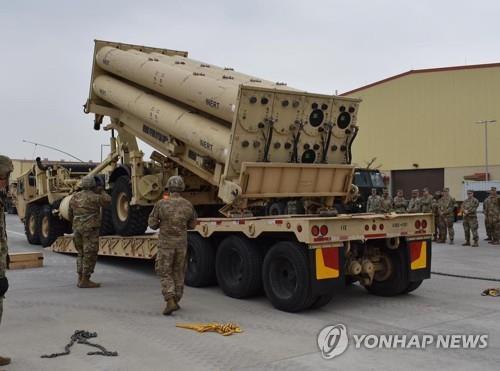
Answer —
191 88
207 136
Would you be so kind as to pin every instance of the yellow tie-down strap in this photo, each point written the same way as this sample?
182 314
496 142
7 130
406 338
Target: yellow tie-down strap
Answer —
225 329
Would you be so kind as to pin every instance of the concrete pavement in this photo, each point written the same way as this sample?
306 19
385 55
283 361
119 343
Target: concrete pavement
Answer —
43 308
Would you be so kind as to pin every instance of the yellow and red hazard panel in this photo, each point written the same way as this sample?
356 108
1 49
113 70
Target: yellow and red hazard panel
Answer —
418 254
327 263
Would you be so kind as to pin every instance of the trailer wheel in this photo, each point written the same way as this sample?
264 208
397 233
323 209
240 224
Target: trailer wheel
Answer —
322 300
413 286
106 222
286 277
238 266
200 269
51 227
127 220
32 225
396 282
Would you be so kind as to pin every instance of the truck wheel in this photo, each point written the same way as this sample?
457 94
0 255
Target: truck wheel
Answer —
32 225
238 266
321 301
106 222
286 277
413 286
200 270
51 227
397 281
276 208
127 220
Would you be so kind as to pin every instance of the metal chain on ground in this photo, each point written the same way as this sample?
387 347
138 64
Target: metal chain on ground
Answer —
225 329
81 337
468 277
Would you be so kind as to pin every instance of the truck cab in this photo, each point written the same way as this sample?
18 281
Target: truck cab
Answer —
365 180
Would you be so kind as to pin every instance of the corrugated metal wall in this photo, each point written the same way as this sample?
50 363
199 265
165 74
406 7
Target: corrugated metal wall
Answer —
407 180
427 119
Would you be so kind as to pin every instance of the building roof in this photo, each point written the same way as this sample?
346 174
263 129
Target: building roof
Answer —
425 70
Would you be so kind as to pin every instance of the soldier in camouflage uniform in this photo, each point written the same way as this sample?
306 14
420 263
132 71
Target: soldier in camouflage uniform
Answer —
446 206
373 205
414 203
435 211
386 202
400 203
469 212
486 204
85 208
174 215
5 170
493 216
426 202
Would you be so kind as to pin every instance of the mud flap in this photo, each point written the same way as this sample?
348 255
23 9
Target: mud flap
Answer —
419 260
326 269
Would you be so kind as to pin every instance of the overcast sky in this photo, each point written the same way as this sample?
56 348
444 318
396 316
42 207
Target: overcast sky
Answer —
315 45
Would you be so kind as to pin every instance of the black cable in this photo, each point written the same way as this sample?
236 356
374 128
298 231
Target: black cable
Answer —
467 277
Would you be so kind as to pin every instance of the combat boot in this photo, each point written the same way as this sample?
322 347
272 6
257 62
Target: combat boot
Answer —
467 243
86 283
4 361
475 244
80 277
494 242
451 242
170 307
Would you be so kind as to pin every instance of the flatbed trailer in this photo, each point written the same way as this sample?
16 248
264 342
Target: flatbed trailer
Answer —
298 260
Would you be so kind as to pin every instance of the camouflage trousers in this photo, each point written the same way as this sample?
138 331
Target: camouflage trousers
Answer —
437 234
446 227
494 228
487 225
470 225
171 268
87 245
3 265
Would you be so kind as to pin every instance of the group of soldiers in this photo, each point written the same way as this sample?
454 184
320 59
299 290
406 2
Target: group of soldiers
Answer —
172 214
443 206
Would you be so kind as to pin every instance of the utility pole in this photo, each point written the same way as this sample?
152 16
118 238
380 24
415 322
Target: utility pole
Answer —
485 123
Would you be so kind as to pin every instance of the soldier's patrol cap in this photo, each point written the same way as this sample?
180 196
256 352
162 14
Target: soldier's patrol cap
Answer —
415 191
494 189
399 190
386 190
426 189
374 189
470 191
446 189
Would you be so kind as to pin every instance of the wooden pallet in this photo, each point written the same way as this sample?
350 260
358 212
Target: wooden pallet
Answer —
23 260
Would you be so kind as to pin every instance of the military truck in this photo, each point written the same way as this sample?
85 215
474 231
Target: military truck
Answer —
39 193
365 180
265 166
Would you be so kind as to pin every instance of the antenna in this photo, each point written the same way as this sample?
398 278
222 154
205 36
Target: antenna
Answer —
53 148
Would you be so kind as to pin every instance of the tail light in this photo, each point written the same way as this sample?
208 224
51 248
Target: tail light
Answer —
323 230
424 224
417 224
315 230
381 227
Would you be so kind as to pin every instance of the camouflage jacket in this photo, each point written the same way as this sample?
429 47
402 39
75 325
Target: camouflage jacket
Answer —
85 209
400 204
386 204
414 205
446 205
174 216
3 242
469 207
373 205
435 206
492 207
426 204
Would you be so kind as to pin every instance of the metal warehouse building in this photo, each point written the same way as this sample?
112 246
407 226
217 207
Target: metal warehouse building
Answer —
421 126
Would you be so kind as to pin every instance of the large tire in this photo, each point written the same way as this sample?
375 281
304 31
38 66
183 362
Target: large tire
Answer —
276 208
238 266
397 283
200 269
286 277
413 286
31 224
127 220
107 228
322 300
51 227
